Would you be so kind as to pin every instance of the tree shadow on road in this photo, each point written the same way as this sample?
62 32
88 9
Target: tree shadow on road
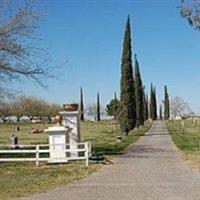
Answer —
145 151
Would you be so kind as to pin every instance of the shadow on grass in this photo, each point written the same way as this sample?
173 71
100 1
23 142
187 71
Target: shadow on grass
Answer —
107 150
117 148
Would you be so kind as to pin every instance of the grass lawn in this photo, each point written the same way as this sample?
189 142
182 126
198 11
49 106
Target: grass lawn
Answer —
187 139
21 179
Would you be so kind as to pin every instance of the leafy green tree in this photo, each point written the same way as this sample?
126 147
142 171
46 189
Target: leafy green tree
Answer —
98 108
166 104
81 104
139 95
112 107
127 115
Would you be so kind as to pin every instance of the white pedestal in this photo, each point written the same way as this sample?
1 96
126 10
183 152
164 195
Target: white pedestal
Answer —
71 120
58 137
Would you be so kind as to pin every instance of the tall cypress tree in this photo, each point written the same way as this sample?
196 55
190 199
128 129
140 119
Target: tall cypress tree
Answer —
115 96
138 95
147 106
81 104
134 116
160 113
112 107
153 103
127 115
166 104
144 105
98 108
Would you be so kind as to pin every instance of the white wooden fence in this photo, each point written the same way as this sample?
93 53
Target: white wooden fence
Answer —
36 149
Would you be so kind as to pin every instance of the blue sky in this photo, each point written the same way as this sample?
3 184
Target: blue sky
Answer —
89 35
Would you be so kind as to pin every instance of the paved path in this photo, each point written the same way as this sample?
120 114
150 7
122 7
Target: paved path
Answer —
152 169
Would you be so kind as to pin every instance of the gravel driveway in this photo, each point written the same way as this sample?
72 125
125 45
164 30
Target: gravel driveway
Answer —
151 169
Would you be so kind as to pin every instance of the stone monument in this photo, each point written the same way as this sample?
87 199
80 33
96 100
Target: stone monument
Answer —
58 137
71 120
67 131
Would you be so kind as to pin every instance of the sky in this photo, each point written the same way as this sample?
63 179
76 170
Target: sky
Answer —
88 34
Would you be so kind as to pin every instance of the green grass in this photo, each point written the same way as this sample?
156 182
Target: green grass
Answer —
24 135
21 179
103 137
187 138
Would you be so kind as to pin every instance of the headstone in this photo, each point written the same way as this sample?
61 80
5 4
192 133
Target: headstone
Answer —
14 141
58 138
183 124
67 131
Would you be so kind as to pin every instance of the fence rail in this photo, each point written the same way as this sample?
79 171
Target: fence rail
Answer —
37 151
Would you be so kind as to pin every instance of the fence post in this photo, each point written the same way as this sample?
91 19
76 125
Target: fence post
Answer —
90 149
87 153
37 155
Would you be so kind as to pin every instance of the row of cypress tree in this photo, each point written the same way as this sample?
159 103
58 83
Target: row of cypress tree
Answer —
153 105
113 106
133 100
98 109
134 108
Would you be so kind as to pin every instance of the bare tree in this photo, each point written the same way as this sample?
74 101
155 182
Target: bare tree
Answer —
32 107
179 107
190 10
52 110
4 110
17 108
91 110
19 56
